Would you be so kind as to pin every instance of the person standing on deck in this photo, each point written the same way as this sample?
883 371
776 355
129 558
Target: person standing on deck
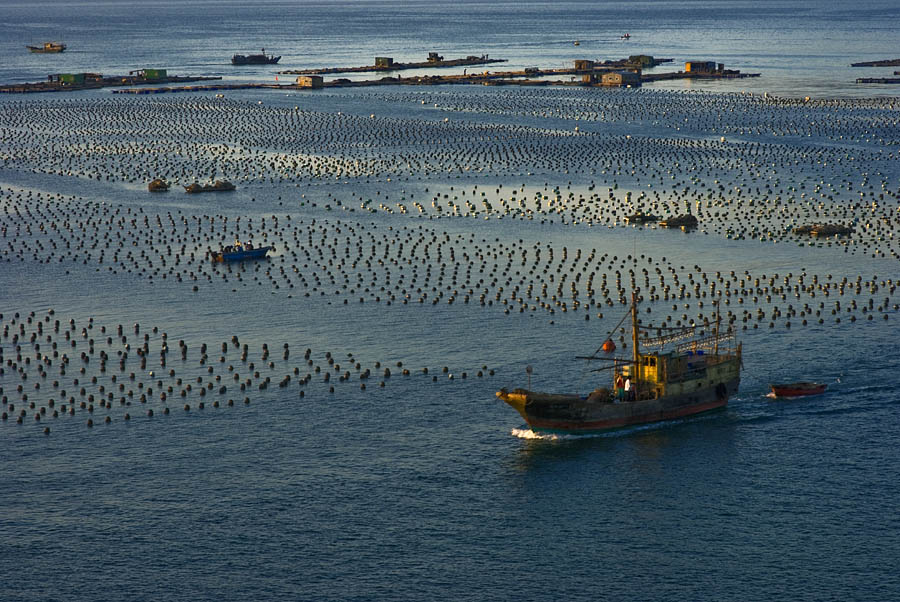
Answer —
628 390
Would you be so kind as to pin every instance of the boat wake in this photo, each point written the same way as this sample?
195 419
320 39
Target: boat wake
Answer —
530 434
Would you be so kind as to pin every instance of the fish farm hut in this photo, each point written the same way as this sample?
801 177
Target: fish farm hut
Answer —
152 74
621 78
703 67
310 81
384 61
68 78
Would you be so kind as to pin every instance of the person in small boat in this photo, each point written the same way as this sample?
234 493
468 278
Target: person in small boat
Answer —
248 246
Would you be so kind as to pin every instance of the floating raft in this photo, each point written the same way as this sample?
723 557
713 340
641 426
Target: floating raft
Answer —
436 64
99 82
878 80
205 88
824 229
885 63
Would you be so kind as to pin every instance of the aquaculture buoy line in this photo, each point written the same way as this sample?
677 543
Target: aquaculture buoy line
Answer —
53 368
836 163
356 262
386 210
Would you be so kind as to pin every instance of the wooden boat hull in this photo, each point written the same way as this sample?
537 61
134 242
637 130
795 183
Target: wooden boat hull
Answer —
798 389
241 255
577 414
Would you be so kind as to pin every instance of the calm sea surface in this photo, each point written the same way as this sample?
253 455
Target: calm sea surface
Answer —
422 485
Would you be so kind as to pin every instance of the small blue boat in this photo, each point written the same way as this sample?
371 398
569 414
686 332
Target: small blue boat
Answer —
240 252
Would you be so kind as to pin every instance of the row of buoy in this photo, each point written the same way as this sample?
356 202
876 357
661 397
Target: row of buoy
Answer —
410 265
685 159
58 390
755 186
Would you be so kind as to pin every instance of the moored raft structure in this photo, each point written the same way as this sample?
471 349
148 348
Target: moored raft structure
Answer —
824 229
680 221
218 186
158 185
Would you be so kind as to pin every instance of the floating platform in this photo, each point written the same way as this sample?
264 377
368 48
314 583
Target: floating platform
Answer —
429 64
878 80
885 63
97 82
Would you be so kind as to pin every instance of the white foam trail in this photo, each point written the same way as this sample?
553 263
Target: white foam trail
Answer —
530 434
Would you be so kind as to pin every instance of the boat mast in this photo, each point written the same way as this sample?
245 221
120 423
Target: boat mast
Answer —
634 336
716 336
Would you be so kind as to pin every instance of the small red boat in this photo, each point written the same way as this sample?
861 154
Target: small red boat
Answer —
798 389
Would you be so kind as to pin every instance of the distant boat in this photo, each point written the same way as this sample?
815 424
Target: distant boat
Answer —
798 389
626 36
255 59
239 252
577 43
47 48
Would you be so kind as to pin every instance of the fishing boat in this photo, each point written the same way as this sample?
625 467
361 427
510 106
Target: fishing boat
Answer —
673 372
254 59
47 48
219 186
798 389
240 251
626 36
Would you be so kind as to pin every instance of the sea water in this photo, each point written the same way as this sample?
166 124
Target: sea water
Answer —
429 487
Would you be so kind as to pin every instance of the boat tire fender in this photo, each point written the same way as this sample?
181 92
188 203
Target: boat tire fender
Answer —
721 390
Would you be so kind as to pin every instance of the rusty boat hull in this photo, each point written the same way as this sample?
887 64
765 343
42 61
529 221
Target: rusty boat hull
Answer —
587 414
698 391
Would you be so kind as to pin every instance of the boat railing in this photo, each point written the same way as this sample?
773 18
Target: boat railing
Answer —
725 339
